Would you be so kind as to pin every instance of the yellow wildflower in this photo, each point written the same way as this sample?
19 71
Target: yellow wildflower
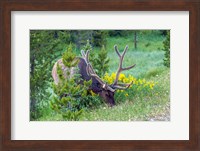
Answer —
140 81
113 75
121 76
151 85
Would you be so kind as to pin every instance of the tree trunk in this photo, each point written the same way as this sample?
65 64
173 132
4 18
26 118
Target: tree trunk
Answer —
135 39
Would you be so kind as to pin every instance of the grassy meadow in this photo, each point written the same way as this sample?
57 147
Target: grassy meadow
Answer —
148 98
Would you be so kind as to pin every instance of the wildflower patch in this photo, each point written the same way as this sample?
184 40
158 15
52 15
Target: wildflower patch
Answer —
139 86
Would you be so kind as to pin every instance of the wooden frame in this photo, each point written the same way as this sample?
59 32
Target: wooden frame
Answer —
193 6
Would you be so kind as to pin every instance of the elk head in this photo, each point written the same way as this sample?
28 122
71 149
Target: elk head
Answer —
98 86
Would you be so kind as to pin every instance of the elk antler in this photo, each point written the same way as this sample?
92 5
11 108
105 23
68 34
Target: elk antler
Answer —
90 71
115 85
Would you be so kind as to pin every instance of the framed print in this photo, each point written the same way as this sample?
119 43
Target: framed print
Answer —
134 110
93 75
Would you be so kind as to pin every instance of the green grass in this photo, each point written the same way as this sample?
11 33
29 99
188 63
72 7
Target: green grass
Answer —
145 62
139 108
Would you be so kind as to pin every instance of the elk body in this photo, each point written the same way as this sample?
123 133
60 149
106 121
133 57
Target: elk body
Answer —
98 85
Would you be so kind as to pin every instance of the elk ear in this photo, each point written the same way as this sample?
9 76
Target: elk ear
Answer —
83 53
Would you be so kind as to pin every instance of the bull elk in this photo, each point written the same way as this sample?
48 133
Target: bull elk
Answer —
87 72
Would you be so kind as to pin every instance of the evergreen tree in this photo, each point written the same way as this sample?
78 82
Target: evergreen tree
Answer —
121 33
69 93
92 56
79 37
99 38
166 44
99 61
102 62
45 47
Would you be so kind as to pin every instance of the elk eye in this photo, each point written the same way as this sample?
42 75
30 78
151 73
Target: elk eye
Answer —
98 85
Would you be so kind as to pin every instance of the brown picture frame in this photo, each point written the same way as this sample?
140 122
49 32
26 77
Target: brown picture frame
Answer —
7 6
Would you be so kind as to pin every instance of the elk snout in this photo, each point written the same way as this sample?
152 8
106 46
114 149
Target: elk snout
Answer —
108 96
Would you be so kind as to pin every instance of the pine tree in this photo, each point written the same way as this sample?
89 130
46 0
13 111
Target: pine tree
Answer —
99 38
69 93
166 44
102 62
45 46
92 56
